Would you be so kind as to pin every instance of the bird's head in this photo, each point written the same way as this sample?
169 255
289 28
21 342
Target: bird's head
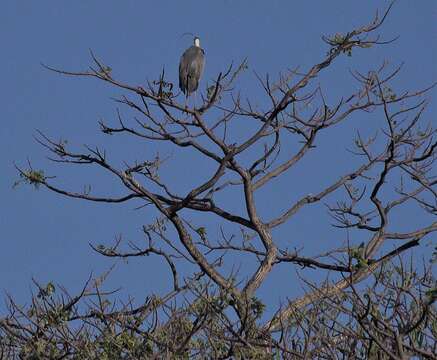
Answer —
196 41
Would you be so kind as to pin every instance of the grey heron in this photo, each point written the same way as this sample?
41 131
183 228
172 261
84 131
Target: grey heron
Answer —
191 68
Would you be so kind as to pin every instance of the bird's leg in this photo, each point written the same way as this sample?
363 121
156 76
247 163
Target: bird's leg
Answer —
186 114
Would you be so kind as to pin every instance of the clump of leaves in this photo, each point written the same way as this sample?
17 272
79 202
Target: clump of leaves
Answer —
357 253
31 177
431 295
47 291
257 306
202 233
39 349
340 40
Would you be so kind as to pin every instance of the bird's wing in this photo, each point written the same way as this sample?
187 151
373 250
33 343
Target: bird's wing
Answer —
197 66
183 72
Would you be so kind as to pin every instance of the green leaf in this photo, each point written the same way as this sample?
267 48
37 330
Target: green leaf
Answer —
50 288
431 295
201 231
47 291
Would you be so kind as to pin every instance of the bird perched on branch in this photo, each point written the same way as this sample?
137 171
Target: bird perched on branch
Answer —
191 68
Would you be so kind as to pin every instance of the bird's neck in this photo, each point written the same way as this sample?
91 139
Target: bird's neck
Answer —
197 42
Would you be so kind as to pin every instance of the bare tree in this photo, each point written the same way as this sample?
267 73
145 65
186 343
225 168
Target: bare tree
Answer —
378 305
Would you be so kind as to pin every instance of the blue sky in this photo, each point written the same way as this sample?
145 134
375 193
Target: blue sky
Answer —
45 236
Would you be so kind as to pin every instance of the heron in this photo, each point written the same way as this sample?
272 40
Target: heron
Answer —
191 68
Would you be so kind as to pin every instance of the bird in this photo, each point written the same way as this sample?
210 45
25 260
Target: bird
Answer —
191 68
